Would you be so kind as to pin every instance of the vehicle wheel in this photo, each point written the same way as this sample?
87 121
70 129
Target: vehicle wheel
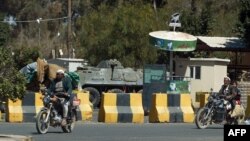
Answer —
42 126
94 96
116 91
69 127
200 122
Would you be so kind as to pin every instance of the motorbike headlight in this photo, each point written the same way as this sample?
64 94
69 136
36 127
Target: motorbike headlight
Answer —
46 100
210 99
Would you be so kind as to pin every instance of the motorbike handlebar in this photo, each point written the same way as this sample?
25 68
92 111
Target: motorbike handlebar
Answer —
61 94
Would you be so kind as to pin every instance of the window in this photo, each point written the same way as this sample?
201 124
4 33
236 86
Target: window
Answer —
191 72
195 72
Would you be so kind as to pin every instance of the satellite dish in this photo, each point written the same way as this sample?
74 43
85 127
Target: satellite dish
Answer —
173 41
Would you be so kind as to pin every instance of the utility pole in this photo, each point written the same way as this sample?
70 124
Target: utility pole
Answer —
69 46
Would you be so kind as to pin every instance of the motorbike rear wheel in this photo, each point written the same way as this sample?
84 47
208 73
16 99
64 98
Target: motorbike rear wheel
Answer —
42 126
70 126
200 122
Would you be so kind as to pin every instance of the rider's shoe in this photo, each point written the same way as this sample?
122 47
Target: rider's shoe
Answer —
224 122
64 122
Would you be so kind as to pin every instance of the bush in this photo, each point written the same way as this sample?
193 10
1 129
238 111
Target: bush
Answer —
12 83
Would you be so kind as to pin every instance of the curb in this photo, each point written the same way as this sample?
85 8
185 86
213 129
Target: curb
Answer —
15 138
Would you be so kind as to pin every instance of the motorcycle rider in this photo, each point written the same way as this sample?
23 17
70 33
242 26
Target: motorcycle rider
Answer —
228 92
238 96
61 88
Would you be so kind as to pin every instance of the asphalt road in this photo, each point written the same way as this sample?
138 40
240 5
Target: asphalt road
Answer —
91 131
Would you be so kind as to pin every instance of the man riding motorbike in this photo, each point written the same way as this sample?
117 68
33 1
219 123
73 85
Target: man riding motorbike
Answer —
61 88
228 92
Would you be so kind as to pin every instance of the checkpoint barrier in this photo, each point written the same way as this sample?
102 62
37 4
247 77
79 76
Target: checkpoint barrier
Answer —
85 110
199 99
247 115
171 108
203 99
121 107
198 95
25 110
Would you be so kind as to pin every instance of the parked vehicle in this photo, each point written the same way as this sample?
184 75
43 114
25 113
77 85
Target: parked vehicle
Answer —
109 76
216 111
51 115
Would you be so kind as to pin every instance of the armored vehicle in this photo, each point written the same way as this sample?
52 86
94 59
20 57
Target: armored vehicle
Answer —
109 76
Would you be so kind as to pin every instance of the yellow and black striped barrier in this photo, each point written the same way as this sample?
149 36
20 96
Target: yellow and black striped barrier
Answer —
121 107
247 115
171 108
25 110
85 111
203 99
198 95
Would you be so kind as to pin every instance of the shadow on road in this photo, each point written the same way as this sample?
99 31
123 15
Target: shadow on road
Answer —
51 132
209 128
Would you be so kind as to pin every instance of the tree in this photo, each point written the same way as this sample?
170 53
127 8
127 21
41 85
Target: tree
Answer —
12 83
120 33
24 56
4 34
244 24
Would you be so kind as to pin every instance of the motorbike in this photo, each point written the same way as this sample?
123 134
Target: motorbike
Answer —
216 111
51 114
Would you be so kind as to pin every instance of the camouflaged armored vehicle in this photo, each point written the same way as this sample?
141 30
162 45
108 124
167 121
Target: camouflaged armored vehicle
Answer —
109 76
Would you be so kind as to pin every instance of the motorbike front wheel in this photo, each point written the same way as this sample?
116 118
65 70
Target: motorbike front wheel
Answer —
200 120
42 126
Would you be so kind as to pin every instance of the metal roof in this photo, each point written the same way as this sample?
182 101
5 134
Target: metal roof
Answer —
222 42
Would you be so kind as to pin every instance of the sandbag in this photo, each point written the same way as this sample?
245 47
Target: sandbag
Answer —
238 111
52 68
42 66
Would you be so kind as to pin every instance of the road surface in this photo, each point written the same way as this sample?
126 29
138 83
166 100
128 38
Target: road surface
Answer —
92 131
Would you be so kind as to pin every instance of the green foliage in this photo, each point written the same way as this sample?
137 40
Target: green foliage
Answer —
117 28
4 34
119 33
12 83
244 21
25 56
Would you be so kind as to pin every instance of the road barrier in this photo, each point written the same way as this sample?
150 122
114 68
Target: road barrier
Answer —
85 111
171 108
203 99
121 107
25 110
248 107
198 94
199 99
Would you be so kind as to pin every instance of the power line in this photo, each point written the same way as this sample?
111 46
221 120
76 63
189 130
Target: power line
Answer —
37 20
